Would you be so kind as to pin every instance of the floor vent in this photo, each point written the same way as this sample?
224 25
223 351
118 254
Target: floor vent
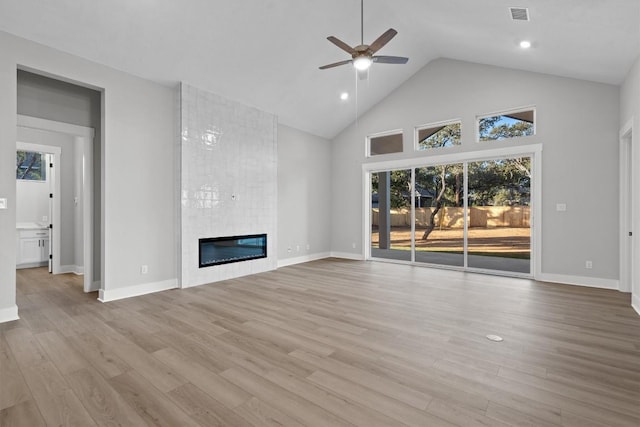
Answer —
519 13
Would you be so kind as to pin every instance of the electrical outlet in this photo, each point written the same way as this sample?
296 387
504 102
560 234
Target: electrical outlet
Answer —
353 245
45 218
3 203
298 248
144 269
308 246
588 264
289 249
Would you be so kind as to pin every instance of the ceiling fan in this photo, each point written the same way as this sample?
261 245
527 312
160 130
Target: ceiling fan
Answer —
363 56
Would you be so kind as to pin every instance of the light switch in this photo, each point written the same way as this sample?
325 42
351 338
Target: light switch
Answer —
561 207
3 203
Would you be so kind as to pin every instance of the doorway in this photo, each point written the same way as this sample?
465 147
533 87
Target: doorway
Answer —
627 200
71 214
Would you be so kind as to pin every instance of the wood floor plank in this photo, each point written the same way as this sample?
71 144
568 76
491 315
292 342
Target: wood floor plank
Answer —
328 342
13 388
211 383
153 406
207 411
290 403
106 406
24 414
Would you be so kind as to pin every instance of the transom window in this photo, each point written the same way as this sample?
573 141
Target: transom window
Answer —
387 143
513 124
439 135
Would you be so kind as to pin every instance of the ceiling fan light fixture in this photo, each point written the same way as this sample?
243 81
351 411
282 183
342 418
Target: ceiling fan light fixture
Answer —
362 63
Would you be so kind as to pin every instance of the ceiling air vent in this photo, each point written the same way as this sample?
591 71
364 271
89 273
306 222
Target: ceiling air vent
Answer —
519 13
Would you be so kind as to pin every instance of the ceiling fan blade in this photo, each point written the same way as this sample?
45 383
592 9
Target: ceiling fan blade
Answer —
382 40
390 59
336 64
342 45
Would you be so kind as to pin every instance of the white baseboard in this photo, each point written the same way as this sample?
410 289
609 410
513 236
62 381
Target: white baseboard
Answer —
347 255
9 314
635 303
75 269
299 260
106 295
590 282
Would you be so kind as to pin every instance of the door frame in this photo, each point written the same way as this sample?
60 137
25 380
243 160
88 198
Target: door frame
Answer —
83 138
627 273
532 150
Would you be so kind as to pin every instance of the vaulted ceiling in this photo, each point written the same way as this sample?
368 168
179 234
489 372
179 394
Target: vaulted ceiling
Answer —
266 53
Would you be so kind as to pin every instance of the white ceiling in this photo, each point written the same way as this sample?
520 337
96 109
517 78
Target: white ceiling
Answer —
266 53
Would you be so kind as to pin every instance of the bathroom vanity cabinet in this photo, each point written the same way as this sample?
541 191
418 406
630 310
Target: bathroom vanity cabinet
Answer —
32 247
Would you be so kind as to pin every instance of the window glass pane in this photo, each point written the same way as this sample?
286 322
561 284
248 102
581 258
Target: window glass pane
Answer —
499 214
385 144
391 215
439 225
30 166
505 126
440 136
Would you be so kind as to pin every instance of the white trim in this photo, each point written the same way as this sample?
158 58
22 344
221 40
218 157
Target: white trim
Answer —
107 295
625 207
467 156
347 255
301 259
590 282
635 303
75 269
53 126
9 314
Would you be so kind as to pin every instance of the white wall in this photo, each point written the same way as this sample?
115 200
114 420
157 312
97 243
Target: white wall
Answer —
138 197
32 200
304 196
630 113
577 123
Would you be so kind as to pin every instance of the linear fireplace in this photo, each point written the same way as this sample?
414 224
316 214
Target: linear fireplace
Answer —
225 250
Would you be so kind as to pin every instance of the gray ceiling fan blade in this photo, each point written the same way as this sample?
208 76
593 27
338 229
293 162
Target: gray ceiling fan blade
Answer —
382 40
336 64
342 45
390 59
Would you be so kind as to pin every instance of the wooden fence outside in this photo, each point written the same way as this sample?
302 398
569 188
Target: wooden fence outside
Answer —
452 217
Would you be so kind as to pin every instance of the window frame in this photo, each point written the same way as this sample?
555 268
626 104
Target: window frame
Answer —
479 117
382 134
417 129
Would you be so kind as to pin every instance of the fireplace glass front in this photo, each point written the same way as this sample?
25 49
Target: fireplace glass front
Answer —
225 250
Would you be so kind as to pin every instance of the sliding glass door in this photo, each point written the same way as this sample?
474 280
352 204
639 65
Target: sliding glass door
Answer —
470 215
439 210
391 215
499 199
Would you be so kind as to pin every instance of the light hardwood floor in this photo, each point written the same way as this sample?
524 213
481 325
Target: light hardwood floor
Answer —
327 343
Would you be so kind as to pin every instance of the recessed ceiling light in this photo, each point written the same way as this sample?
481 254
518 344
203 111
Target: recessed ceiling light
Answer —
344 96
525 44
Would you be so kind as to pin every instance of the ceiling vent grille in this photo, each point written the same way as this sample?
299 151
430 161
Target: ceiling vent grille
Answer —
519 13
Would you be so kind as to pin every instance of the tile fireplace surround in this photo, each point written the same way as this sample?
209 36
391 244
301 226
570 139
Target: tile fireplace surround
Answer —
228 181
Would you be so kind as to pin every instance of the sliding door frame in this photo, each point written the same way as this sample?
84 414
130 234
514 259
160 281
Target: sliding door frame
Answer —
534 151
